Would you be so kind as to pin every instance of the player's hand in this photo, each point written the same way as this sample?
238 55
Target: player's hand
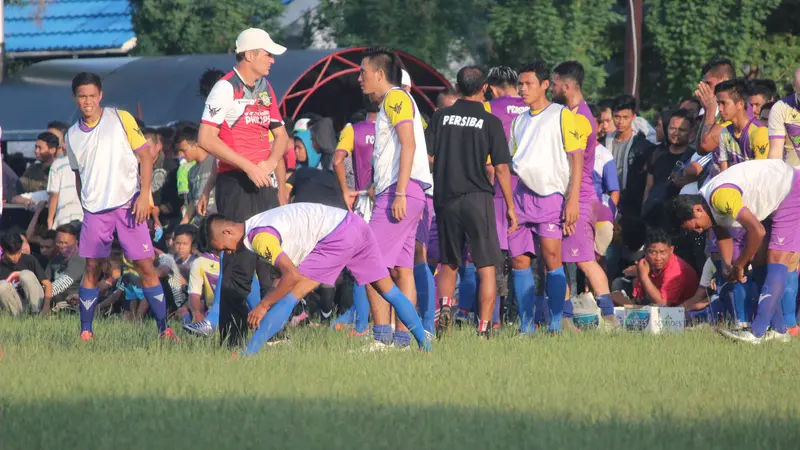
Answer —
629 271
570 216
705 94
258 175
202 205
268 165
512 220
736 274
643 268
141 209
255 316
399 207
350 198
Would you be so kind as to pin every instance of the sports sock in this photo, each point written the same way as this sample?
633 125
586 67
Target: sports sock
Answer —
605 304
402 338
361 303
523 290
556 288
271 324
382 333
770 298
541 315
496 312
408 315
426 295
468 288
88 302
346 318
213 314
158 305
326 296
254 297
789 301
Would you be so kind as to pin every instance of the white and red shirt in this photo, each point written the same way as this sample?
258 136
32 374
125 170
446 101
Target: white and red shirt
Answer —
244 116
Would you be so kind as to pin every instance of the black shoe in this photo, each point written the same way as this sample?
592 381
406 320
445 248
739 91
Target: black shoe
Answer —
446 319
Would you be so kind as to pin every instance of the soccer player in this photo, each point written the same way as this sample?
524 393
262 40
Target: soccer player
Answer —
460 139
745 138
107 149
714 72
547 156
745 196
761 92
400 175
358 140
784 125
578 247
606 186
309 244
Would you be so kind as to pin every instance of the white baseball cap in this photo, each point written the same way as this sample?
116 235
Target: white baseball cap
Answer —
405 79
256 38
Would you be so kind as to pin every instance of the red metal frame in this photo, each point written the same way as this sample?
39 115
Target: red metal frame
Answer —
324 78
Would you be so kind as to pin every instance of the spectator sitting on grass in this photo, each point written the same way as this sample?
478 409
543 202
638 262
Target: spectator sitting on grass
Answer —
20 278
662 278
63 274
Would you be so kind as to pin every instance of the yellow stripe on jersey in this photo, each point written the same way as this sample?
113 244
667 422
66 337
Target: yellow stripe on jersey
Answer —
574 137
728 201
268 246
759 141
135 136
398 106
347 139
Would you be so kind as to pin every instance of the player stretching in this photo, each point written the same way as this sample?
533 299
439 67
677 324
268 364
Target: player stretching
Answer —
309 244
105 149
745 196
547 157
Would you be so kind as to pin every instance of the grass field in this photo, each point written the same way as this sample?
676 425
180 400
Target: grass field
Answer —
128 390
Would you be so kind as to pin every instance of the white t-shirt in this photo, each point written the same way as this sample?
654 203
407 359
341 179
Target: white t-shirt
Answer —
61 181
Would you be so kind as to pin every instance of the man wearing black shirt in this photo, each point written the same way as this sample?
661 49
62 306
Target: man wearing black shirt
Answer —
316 186
460 139
20 286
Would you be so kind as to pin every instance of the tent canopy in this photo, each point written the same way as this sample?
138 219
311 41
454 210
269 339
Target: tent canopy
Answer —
159 90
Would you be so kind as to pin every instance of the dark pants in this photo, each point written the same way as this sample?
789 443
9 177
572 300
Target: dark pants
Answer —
237 278
239 199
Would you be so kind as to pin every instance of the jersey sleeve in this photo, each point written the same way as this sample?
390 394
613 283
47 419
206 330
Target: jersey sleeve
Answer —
219 101
727 199
347 140
135 135
610 177
777 120
275 119
398 107
487 107
726 142
54 178
268 246
573 128
760 143
196 277
498 152
512 137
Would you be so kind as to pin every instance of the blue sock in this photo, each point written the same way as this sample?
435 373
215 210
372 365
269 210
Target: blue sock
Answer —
739 298
468 288
426 295
770 298
777 323
789 301
254 297
496 312
569 310
541 315
716 309
158 305
752 289
361 302
556 288
347 318
88 302
523 290
605 304
382 333
402 338
271 324
213 315
408 315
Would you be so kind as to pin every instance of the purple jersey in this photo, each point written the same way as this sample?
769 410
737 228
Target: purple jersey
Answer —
363 142
506 108
587 181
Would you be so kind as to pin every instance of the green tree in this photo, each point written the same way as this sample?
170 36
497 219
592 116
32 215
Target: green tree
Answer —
176 27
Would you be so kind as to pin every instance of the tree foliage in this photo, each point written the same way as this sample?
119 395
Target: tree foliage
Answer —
175 27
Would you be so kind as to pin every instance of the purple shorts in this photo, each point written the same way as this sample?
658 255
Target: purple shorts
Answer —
424 228
785 234
579 246
433 242
396 238
604 213
501 219
97 234
536 215
352 245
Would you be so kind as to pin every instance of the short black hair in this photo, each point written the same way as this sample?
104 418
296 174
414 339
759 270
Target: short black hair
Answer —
765 88
208 79
680 209
387 60
623 102
85 79
502 77
69 229
188 230
606 103
539 68
693 100
595 111
470 80
11 243
212 219
720 67
572 70
657 236
684 114
449 92
58 125
240 57
736 88
151 132
186 132
50 139
48 235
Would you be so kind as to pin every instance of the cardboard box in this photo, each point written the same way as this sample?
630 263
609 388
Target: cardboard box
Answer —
585 310
651 319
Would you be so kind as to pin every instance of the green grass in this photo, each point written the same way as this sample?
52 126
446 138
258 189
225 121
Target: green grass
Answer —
127 390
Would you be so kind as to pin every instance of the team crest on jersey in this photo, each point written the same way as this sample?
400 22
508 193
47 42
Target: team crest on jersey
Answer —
397 107
213 111
576 134
264 98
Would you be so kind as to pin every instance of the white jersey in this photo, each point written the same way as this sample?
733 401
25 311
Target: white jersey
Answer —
61 181
537 146
300 225
764 184
107 164
386 157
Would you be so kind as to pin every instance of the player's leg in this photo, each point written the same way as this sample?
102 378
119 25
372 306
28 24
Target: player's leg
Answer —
235 293
521 248
479 224
771 292
423 277
789 299
555 281
97 233
451 244
404 309
404 279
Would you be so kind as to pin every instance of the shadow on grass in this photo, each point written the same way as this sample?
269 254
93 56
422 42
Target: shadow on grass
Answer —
268 423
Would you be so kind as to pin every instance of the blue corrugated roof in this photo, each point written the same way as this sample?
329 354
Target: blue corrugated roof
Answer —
67 25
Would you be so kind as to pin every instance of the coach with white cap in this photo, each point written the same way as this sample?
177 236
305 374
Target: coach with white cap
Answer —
240 112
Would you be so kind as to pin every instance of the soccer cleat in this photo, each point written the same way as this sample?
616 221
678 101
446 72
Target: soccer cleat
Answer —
400 348
446 320
282 337
741 326
341 326
794 331
87 336
483 335
203 328
169 335
376 347
777 337
744 335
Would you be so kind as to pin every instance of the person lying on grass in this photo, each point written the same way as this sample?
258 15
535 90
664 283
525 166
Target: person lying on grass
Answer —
309 244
